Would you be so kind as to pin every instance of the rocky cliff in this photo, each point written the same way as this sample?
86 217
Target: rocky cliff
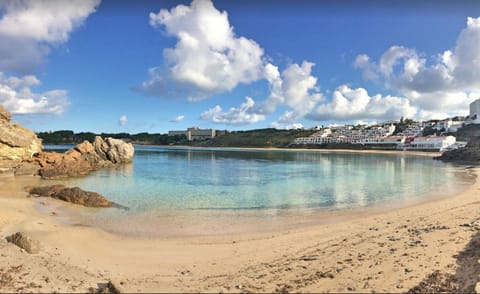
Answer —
16 142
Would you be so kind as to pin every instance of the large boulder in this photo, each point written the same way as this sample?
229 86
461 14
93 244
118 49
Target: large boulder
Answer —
73 195
16 143
114 150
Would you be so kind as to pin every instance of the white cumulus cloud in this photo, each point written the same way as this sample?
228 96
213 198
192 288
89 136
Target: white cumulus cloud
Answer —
123 120
440 86
287 121
29 27
356 104
28 30
244 114
178 118
208 57
296 87
300 88
16 95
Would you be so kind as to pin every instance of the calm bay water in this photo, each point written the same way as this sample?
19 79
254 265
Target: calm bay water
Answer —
167 184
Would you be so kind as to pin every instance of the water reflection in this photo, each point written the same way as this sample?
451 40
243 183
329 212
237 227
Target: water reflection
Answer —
193 179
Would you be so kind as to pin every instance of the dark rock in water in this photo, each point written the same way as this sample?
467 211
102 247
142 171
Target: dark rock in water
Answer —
73 195
24 242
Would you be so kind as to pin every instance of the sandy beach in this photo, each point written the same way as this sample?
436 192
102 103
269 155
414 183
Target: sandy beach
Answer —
384 252
365 151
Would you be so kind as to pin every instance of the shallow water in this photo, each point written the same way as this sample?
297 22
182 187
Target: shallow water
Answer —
180 191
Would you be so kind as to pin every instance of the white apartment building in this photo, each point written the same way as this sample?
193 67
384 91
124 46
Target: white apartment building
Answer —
474 117
195 133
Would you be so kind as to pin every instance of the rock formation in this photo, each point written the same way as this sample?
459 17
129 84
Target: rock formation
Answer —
16 142
24 242
80 160
73 195
470 154
21 153
113 150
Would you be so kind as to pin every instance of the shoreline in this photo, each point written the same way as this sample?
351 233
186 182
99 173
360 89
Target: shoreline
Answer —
404 244
366 151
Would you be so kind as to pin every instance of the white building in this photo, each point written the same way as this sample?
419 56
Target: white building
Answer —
323 133
448 125
195 133
434 143
474 117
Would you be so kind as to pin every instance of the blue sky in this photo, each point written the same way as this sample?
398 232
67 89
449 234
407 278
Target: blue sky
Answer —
153 66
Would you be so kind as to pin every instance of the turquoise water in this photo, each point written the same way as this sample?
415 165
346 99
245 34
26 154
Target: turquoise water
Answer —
165 181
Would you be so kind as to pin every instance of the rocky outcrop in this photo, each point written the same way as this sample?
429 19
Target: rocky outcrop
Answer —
24 242
470 154
80 160
16 142
73 195
21 153
114 150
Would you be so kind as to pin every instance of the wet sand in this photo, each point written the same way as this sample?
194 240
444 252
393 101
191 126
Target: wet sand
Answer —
389 251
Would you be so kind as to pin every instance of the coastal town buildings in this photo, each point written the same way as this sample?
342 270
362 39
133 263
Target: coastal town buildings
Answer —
381 136
450 125
413 130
